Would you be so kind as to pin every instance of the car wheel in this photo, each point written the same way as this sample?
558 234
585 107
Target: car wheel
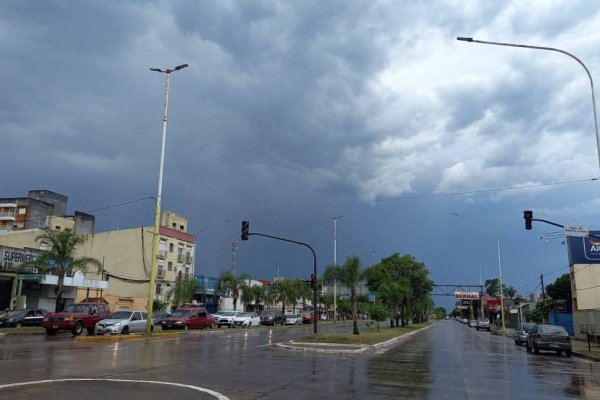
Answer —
151 328
50 332
78 330
218 325
186 327
527 348
477 329
568 353
535 349
249 324
125 330
18 325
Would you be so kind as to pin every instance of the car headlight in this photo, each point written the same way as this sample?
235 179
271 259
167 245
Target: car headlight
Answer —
179 322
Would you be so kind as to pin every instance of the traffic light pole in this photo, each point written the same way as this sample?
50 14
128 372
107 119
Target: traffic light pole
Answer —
315 316
528 215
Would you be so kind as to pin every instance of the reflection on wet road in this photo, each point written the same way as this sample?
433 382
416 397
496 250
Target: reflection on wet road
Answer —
446 361
453 361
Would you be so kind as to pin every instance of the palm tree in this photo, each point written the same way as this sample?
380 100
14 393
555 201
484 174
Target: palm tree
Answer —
253 294
286 293
184 291
233 284
350 275
60 259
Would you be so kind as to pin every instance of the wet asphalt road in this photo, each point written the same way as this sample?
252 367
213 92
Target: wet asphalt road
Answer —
446 361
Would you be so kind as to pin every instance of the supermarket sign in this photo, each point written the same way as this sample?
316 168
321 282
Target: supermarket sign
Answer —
466 295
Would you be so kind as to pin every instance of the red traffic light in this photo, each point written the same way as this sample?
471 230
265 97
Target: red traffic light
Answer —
245 230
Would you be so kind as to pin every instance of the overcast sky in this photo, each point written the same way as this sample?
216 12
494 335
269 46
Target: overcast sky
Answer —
294 112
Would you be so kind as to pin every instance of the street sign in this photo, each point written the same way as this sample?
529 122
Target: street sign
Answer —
30 277
576 230
466 295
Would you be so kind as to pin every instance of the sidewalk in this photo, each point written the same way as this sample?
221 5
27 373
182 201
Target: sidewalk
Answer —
580 349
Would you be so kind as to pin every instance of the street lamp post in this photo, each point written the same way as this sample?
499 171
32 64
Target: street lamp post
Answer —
587 71
499 262
152 289
335 265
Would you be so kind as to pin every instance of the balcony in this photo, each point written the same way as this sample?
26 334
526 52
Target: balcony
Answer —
180 257
162 253
160 274
189 259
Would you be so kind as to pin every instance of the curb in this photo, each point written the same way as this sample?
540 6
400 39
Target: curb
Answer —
118 338
586 356
360 348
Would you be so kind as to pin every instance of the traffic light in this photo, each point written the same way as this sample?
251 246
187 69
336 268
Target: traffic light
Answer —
245 229
528 215
313 281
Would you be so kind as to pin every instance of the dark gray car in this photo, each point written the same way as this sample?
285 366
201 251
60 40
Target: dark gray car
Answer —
549 337
522 332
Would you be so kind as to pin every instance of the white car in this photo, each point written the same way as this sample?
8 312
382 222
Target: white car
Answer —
293 319
123 322
226 318
246 319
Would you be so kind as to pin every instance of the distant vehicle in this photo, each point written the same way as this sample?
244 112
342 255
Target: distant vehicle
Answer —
483 323
123 322
76 318
192 317
464 320
272 317
295 319
307 317
226 318
549 337
246 319
522 332
159 316
23 317
472 323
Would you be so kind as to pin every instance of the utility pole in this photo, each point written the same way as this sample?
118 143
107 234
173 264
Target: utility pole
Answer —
234 257
543 292
335 266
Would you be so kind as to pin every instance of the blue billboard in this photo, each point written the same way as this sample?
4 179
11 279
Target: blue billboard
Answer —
584 250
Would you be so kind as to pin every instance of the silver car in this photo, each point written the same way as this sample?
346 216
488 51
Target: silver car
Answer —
522 332
123 322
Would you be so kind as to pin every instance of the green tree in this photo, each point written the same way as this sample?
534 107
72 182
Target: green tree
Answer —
511 292
440 313
229 283
183 292
254 294
378 313
350 275
286 293
492 287
60 259
561 288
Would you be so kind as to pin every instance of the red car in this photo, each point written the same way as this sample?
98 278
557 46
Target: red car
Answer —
188 318
76 318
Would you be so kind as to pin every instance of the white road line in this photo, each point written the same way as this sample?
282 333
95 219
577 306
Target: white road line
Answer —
218 395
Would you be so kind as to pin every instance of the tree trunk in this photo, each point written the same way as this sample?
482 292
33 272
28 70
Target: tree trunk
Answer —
59 290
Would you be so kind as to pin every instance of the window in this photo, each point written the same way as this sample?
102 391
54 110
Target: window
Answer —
158 288
174 225
171 247
136 316
170 266
181 227
22 211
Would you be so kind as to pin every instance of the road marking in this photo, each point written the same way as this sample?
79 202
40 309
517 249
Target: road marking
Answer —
218 395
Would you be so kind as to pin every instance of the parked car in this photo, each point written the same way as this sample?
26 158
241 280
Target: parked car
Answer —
246 319
23 317
307 317
549 337
483 323
123 322
76 318
472 323
192 317
522 332
226 318
295 319
272 317
159 316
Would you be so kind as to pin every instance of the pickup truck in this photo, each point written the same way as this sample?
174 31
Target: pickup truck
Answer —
76 318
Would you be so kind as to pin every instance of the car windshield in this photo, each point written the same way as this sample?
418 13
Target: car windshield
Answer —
121 315
181 313
268 313
244 314
76 308
18 313
528 327
553 330
228 314
484 320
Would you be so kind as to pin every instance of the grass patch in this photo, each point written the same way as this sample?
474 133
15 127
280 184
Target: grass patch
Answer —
368 336
24 329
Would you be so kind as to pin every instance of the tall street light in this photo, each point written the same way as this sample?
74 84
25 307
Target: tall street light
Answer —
499 261
335 265
152 289
587 71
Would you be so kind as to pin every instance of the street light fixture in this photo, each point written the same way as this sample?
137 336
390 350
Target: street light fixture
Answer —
587 71
499 261
153 268
335 265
